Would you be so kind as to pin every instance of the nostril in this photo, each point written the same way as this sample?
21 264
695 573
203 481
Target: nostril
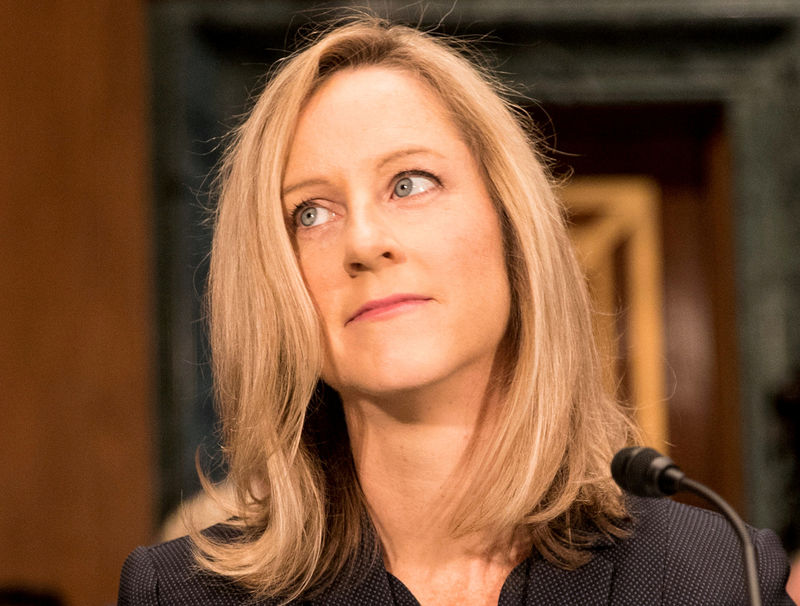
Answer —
356 268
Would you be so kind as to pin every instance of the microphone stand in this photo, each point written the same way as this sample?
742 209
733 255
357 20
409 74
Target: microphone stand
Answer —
751 571
647 473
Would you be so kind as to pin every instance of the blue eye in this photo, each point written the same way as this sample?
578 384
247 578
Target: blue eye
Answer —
412 185
311 216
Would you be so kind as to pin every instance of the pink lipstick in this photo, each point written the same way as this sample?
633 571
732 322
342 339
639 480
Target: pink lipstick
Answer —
387 307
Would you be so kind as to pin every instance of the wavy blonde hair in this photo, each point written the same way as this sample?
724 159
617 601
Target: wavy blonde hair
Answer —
297 503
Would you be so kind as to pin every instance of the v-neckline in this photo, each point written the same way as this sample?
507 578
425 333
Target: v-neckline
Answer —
511 594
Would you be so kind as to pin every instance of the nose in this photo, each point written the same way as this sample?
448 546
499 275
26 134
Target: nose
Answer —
371 240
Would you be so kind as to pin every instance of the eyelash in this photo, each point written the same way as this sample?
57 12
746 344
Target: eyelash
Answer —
302 205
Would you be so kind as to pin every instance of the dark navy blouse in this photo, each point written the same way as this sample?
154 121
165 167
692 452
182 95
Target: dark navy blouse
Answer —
676 555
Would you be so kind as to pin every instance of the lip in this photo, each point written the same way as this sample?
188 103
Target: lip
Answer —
386 306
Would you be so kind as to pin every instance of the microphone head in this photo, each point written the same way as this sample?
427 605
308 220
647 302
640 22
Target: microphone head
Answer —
645 472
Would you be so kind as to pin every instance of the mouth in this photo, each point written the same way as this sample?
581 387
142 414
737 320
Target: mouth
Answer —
386 307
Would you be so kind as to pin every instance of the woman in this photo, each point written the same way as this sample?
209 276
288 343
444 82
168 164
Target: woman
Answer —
410 395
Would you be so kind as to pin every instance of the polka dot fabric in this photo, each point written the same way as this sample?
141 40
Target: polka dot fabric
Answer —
676 556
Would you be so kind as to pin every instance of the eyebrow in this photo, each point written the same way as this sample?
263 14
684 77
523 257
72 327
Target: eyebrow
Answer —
305 183
382 161
401 153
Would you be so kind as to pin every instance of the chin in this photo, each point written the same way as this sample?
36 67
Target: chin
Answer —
405 378
385 376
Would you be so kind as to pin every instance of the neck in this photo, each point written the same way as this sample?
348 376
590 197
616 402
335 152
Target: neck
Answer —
408 450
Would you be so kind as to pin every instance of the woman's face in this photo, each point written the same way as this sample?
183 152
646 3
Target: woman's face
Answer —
396 235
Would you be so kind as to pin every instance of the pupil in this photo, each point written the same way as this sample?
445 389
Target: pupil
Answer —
308 215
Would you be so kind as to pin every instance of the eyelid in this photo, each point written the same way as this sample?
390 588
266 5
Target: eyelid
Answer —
416 173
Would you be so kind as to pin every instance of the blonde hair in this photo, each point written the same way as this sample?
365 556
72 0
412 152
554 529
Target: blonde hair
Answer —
297 499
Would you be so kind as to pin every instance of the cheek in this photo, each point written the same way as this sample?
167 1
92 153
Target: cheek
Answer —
476 251
318 271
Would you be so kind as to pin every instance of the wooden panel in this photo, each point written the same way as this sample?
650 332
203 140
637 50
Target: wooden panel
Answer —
684 150
75 305
726 433
621 214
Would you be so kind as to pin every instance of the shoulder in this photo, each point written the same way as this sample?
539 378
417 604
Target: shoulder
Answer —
167 574
688 551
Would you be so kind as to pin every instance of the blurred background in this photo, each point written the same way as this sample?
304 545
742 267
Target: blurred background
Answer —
678 120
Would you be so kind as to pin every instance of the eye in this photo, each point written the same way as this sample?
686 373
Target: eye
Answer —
310 215
410 185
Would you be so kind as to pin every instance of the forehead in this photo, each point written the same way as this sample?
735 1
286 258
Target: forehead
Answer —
353 90
370 108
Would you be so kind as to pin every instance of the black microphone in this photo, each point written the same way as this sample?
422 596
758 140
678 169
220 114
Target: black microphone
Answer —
647 473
